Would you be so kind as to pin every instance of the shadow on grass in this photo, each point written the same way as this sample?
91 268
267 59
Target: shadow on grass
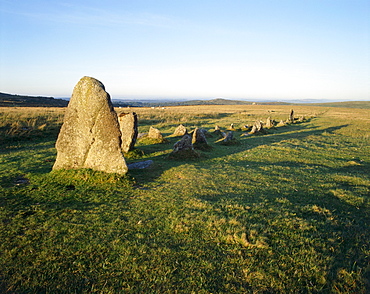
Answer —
162 162
340 229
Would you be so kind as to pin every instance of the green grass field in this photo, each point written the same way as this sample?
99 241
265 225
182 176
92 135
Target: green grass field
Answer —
286 212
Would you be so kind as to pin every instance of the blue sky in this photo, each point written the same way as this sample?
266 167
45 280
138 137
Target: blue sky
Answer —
260 49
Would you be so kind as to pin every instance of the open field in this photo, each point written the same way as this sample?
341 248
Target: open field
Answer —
286 212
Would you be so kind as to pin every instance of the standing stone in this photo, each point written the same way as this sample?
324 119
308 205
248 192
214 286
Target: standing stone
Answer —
129 130
184 149
270 123
232 128
217 131
199 136
291 117
257 128
184 144
180 131
230 140
246 128
301 119
229 136
90 136
154 133
281 124
199 140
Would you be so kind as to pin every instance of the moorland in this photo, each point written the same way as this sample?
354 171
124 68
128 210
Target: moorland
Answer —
283 212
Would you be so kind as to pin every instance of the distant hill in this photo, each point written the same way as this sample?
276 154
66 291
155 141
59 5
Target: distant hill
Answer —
347 104
220 101
10 100
217 101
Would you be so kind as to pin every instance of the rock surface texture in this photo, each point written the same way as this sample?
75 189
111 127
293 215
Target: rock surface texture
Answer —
90 136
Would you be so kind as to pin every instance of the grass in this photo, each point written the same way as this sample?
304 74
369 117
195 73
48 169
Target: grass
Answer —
286 212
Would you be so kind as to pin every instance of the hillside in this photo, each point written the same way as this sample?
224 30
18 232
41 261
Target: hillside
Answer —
10 100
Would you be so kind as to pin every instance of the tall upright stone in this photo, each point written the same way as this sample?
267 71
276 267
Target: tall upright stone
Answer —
199 136
90 136
199 140
128 124
291 117
270 123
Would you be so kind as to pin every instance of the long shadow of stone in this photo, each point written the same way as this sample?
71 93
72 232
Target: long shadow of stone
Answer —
162 162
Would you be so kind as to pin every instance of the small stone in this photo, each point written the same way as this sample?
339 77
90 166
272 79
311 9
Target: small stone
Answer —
141 135
19 181
184 149
180 131
230 140
184 144
140 165
246 128
281 124
232 127
229 136
154 133
257 128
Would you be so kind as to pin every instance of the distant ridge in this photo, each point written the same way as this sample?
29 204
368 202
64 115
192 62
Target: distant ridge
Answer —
221 101
11 100
347 104
217 101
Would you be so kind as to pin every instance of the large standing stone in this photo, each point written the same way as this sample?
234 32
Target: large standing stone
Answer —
90 136
129 130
